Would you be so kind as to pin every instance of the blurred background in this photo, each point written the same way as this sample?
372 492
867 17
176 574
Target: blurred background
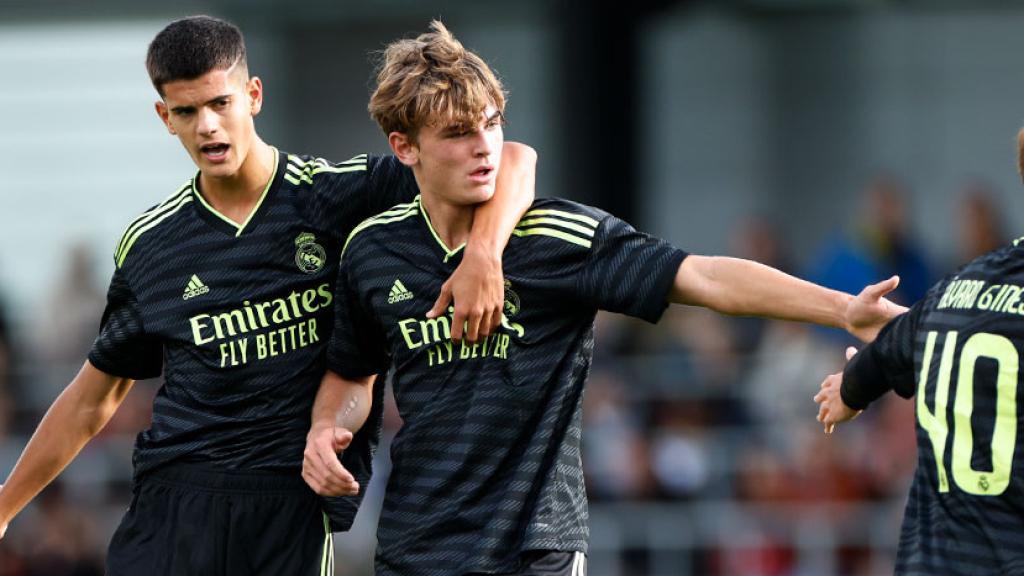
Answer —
840 140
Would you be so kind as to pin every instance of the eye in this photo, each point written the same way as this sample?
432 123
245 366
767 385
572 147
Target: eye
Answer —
220 103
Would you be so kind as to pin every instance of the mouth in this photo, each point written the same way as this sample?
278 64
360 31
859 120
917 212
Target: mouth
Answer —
215 152
482 174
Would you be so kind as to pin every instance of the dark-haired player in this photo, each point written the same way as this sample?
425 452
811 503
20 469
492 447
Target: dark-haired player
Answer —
486 475
226 287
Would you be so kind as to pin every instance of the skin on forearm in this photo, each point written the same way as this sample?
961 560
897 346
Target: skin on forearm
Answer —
78 414
342 402
495 219
746 288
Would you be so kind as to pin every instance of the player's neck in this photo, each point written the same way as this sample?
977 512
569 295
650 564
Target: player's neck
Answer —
451 222
236 196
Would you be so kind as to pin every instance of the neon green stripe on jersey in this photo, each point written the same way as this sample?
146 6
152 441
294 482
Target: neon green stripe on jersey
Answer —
151 214
358 158
562 214
554 234
296 181
396 214
327 557
585 230
124 252
338 169
300 175
305 171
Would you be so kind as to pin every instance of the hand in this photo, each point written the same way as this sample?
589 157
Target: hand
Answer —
831 409
478 288
869 311
321 468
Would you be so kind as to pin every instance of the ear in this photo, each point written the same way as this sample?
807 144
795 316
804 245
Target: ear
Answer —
164 114
404 148
254 88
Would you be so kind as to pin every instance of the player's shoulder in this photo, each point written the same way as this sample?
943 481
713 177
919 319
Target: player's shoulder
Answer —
382 226
304 169
1005 262
159 216
558 221
1002 265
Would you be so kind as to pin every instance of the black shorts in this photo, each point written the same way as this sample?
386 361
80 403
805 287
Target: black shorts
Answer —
552 563
191 521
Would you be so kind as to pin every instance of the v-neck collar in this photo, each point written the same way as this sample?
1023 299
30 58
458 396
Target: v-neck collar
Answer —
448 253
222 222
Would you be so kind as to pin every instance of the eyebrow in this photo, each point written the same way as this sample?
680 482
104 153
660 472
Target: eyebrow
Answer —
457 128
190 108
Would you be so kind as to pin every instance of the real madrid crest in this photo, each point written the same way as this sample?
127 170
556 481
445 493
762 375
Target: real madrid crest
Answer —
309 256
512 303
511 308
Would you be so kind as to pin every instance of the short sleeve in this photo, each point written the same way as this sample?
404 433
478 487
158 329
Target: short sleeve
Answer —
357 347
123 348
628 271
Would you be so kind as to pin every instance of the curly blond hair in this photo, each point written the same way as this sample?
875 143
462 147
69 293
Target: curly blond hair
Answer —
432 80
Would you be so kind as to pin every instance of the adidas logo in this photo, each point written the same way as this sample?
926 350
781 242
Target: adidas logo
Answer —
195 288
399 293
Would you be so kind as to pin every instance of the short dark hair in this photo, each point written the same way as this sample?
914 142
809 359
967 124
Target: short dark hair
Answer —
188 48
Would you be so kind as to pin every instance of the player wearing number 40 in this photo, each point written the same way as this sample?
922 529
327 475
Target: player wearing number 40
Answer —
958 350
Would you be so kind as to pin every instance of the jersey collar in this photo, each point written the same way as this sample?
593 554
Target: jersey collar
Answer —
222 222
448 252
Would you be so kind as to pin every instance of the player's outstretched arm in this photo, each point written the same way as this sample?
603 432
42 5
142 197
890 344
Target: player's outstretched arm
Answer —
747 288
78 414
478 285
831 408
341 408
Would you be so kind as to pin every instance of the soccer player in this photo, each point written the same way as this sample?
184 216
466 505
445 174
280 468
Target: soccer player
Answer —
226 287
958 350
486 475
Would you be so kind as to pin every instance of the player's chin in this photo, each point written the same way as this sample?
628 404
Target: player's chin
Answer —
478 194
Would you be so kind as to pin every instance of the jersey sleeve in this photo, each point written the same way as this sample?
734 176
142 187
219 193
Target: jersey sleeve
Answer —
628 271
357 347
123 348
389 182
885 364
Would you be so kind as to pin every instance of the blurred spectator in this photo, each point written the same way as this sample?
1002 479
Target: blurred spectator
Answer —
980 224
615 455
755 239
680 445
72 319
74 307
879 245
65 538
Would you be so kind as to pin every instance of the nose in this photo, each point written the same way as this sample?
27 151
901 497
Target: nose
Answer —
484 144
207 123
